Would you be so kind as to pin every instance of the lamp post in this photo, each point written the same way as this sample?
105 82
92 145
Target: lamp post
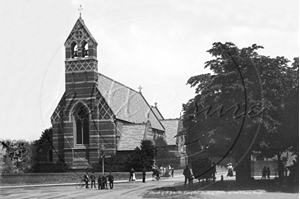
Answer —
102 156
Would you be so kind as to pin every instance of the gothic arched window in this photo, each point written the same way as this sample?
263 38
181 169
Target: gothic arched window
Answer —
82 125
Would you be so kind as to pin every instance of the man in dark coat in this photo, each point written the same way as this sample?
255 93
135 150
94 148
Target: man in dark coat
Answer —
187 174
104 182
86 180
93 180
100 182
214 171
111 180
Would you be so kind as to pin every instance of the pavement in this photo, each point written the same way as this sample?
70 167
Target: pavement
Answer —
136 189
218 177
73 184
61 184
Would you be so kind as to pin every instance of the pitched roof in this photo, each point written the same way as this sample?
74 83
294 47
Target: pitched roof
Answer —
79 25
131 137
157 112
126 103
171 127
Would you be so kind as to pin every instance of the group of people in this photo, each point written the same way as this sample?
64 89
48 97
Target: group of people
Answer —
132 174
103 180
162 171
266 173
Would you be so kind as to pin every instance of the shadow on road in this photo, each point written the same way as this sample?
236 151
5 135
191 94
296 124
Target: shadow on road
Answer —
255 185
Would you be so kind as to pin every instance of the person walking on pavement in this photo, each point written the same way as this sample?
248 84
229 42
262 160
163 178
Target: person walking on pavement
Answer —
100 182
268 172
230 170
187 174
144 174
131 173
111 180
264 173
214 171
86 180
93 180
104 182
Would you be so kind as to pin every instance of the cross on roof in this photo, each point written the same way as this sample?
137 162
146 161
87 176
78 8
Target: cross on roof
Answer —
140 89
80 9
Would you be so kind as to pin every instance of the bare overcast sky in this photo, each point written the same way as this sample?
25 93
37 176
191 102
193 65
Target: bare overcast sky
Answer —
157 44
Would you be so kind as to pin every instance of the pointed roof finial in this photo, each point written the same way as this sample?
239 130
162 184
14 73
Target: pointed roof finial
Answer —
80 8
140 89
155 104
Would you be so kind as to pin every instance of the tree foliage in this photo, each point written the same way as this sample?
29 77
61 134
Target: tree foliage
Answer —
163 156
143 156
18 157
46 136
246 104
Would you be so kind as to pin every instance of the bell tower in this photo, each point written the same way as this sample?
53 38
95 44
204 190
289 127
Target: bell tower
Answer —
81 65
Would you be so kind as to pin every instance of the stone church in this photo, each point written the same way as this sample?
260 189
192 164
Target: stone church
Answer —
97 115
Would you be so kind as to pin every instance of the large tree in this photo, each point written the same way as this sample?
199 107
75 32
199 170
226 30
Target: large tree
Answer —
234 110
18 157
163 156
143 156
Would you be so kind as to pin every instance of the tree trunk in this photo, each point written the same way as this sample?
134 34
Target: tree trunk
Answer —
280 167
243 170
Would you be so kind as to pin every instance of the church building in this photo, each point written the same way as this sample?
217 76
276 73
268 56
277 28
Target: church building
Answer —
97 115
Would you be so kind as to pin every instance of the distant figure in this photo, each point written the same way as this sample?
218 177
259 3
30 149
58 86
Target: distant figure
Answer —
153 174
191 180
214 171
93 180
100 182
157 174
187 174
230 170
172 172
111 180
104 182
268 172
280 169
294 171
131 173
86 180
144 174
264 173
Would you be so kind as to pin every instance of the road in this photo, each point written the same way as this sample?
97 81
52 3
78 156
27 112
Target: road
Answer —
137 189
121 190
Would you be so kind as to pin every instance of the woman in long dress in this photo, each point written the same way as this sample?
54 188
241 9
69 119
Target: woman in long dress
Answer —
230 170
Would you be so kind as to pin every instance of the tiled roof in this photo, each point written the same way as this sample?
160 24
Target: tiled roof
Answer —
126 103
132 135
171 129
157 112
80 25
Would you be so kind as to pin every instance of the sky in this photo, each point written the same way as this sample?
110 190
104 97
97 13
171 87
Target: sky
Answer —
156 44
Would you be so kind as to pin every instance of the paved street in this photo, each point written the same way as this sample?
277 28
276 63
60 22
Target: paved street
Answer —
121 190
137 190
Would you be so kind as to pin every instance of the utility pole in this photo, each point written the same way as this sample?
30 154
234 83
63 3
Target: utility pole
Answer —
102 156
